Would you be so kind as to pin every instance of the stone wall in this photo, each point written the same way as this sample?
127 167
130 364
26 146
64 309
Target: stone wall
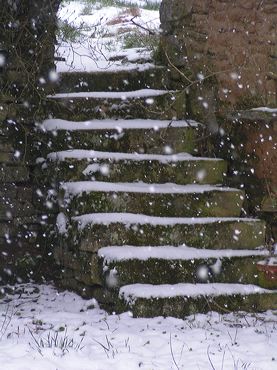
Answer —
248 140
227 44
224 55
27 44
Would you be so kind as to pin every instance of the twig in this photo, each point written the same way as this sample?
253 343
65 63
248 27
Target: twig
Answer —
177 69
172 354
223 358
210 361
142 27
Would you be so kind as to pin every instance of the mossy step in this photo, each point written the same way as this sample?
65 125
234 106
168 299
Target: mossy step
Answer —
16 173
73 165
171 265
93 231
129 136
120 80
169 200
180 300
146 103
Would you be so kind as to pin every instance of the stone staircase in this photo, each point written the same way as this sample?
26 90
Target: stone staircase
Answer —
144 224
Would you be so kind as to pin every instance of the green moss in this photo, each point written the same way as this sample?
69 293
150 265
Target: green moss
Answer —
215 235
267 282
207 204
78 109
249 101
183 306
158 271
135 140
137 39
119 81
183 172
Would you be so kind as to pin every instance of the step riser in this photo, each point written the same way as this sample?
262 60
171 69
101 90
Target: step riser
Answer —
73 281
185 172
157 271
89 269
208 204
117 81
179 140
224 235
181 307
80 109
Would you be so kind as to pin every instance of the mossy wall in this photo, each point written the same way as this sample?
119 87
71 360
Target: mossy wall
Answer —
227 46
224 55
27 43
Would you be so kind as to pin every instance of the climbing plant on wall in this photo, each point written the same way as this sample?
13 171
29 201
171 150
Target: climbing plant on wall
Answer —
27 46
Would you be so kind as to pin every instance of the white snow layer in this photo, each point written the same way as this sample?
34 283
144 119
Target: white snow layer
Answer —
82 154
61 223
265 109
144 93
147 291
121 342
118 125
131 218
125 253
79 187
102 36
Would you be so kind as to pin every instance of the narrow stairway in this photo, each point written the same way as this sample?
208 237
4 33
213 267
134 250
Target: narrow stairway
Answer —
144 223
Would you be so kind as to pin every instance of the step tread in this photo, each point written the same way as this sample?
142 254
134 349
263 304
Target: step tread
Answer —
130 293
125 253
114 69
117 125
79 187
131 218
81 154
123 95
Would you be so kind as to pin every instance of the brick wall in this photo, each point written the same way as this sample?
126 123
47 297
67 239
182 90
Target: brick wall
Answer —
232 43
224 54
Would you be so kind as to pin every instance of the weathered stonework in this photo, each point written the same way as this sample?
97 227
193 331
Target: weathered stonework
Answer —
252 157
224 54
230 45
27 43
25 208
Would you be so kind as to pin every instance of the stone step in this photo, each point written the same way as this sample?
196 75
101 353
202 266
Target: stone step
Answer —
73 165
96 230
171 265
140 136
146 104
169 199
135 78
145 300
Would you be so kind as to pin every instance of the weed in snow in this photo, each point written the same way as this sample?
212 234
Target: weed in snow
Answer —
60 342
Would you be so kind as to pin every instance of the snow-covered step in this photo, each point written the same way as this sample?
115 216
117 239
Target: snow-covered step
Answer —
96 230
181 168
170 265
132 135
179 300
152 199
144 103
136 78
118 125
117 95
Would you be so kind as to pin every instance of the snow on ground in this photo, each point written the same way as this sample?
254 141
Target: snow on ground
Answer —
35 321
93 36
